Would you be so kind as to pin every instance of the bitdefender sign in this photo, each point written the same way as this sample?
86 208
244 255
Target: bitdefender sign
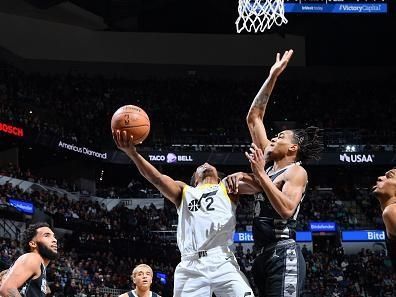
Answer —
322 226
82 150
363 235
301 236
23 206
243 237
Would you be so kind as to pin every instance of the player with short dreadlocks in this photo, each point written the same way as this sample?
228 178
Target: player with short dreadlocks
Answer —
279 268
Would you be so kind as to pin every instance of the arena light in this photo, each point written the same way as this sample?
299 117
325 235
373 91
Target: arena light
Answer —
350 148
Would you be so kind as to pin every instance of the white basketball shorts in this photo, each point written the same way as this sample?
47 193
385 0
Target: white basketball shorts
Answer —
212 271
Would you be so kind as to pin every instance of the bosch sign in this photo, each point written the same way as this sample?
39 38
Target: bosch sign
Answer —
9 129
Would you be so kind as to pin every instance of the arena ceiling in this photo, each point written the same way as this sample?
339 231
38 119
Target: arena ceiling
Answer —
183 16
331 38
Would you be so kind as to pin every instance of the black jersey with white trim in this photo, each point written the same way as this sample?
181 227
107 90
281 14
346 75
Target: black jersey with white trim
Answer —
36 287
268 225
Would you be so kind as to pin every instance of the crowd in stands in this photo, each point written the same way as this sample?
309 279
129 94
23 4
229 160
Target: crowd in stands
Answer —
350 208
78 273
78 108
12 170
325 205
106 244
330 272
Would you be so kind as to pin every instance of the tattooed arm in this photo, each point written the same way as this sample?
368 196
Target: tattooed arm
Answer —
256 112
27 266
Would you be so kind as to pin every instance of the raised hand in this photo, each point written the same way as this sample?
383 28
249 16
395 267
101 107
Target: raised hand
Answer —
232 182
280 64
123 141
257 160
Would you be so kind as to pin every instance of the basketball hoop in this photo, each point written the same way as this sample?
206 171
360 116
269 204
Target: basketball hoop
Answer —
260 15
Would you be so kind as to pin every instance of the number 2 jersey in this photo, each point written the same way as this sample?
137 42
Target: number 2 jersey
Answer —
206 218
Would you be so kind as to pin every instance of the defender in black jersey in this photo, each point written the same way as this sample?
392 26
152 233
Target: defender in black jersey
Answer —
279 268
385 191
142 277
27 277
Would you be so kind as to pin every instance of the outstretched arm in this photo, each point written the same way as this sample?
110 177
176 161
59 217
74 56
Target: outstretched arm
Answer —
256 112
170 188
241 183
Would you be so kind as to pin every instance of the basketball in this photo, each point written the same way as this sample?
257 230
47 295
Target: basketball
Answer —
134 120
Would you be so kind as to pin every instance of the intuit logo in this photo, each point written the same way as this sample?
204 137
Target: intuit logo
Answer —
356 158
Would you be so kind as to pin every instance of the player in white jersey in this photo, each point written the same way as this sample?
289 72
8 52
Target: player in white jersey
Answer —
205 229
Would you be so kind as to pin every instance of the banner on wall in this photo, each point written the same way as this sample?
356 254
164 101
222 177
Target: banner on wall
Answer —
81 150
363 235
11 130
301 236
322 226
174 158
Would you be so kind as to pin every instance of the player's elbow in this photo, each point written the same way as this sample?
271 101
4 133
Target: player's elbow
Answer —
252 120
286 214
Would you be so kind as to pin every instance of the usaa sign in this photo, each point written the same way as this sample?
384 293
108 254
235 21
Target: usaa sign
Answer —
356 158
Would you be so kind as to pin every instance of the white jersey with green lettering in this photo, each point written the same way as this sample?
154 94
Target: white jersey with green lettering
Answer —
206 218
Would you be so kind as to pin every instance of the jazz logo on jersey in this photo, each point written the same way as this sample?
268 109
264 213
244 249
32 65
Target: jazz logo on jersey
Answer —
196 204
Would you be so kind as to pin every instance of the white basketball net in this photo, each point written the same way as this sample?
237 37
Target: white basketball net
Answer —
260 15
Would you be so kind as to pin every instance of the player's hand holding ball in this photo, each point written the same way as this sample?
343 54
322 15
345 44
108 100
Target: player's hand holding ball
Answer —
130 125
